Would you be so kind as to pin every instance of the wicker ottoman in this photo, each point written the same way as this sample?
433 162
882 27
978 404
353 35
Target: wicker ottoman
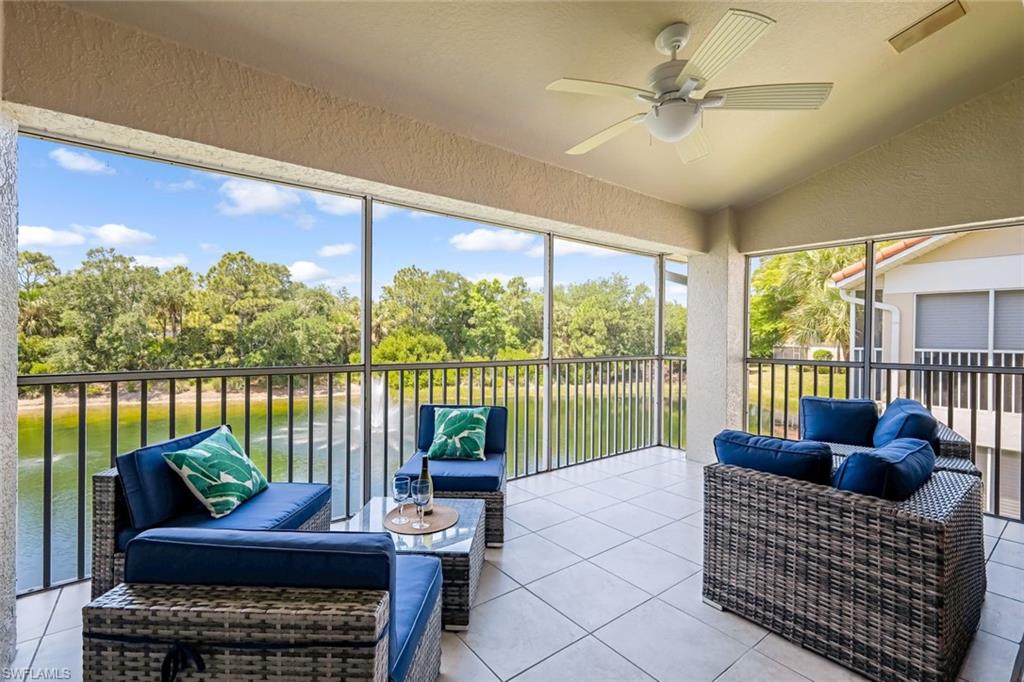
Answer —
238 634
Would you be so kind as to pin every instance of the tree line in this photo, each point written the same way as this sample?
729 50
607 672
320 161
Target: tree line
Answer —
113 314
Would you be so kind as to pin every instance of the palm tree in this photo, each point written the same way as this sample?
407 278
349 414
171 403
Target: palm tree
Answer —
817 314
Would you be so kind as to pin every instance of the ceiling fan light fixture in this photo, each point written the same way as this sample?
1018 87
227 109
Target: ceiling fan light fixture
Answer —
672 120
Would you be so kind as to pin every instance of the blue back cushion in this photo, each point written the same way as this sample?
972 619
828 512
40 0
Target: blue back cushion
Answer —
275 558
153 491
803 460
906 418
892 472
494 441
832 420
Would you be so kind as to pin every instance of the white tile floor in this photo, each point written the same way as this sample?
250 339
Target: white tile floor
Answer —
599 580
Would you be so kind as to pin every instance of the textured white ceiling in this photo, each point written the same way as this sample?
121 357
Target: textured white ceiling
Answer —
479 69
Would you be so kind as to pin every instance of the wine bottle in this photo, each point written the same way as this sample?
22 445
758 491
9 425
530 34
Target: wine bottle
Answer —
425 476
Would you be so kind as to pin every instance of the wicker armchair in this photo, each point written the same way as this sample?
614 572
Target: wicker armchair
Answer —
891 590
110 518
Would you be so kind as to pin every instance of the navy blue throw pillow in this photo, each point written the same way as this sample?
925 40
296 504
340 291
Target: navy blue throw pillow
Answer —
803 460
892 472
832 420
906 418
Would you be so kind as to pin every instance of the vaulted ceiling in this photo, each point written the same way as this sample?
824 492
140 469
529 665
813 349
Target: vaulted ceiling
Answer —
480 69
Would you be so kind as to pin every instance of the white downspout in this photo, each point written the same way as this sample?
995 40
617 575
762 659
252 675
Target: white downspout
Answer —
894 343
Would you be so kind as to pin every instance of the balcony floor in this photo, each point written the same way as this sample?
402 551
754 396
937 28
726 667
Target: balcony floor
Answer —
599 579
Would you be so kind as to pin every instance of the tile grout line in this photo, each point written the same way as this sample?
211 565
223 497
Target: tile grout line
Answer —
49 619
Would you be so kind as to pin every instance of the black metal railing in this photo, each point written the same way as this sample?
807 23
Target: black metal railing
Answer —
981 403
307 424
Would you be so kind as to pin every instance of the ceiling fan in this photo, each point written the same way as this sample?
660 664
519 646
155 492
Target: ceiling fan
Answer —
674 114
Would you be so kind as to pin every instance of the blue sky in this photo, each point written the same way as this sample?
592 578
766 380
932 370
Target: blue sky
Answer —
73 199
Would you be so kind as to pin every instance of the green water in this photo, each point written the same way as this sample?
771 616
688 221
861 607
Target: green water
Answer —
525 448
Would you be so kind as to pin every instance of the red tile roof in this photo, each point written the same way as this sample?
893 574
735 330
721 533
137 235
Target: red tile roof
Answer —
881 255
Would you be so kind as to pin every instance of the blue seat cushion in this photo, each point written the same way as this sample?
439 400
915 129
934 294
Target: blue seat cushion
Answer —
838 421
282 506
485 475
418 587
800 459
204 556
494 440
893 472
153 491
906 418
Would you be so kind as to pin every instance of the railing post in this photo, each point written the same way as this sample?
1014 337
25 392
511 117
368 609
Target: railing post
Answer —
549 311
869 317
659 346
366 344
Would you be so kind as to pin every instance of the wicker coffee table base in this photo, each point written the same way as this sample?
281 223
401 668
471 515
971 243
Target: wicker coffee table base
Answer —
494 511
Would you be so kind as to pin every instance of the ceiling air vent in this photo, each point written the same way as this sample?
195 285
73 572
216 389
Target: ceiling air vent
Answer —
934 22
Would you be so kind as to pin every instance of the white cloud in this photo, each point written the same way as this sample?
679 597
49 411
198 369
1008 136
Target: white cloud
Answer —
115 235
384 211
336 205
246 197
304 220
533 282
307 271
483 239
162 262
331 250
564 247
675 292
181 186
341 281
39 236
79 162
209 247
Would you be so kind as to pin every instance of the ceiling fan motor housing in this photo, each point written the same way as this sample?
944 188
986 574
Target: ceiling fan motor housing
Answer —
662 78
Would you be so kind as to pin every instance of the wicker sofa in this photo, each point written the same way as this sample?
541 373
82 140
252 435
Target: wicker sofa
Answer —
153 496
892 590
306 606
483 480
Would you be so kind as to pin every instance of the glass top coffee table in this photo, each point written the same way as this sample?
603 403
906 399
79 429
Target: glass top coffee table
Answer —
460 548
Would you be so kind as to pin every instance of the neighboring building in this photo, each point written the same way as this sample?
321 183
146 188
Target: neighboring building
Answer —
949 299
791 350
955 299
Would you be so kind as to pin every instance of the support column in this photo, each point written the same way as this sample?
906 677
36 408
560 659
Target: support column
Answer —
8 383
715 338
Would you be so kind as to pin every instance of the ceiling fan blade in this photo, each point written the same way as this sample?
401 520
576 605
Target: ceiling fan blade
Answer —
694 146
582 87
776 96
605 135
730 38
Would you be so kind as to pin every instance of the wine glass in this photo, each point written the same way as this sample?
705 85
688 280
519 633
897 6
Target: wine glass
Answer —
420 497
400 491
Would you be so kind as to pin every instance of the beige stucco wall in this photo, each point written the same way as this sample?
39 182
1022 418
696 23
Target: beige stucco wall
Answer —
119 86
8 387
979 244
963 166
714 338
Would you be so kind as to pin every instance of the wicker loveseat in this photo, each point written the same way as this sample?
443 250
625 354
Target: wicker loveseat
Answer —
142 492
267 605
483 480
892 590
